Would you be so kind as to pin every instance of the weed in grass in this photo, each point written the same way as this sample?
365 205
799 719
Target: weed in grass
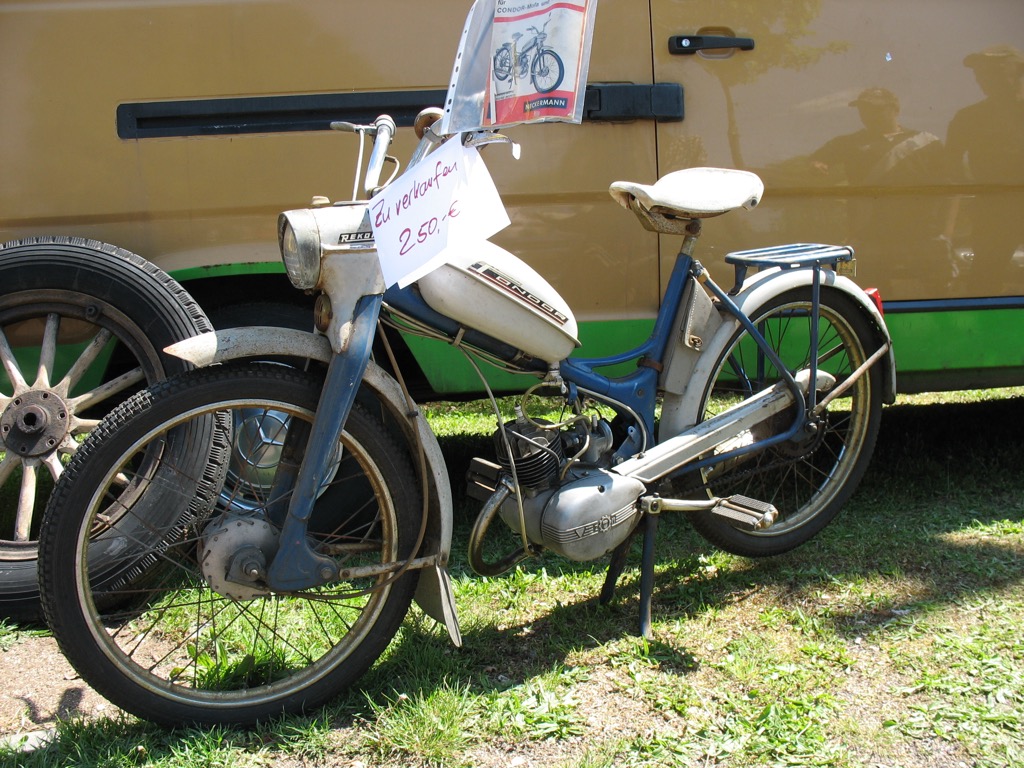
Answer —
533 711
425 728
636 655
599 756
307 738
658 749
541 708
123 742
11 634
762 728
215 748
832 654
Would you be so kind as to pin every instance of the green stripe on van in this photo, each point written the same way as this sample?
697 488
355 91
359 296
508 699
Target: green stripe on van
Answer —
962 349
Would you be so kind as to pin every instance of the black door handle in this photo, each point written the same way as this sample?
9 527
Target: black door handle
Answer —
687 44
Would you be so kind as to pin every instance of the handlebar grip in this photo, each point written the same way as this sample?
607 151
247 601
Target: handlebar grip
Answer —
384 127
385 123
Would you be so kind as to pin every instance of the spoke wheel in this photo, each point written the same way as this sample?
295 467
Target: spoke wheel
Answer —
190 472
548 71
503 63
810 477
82 327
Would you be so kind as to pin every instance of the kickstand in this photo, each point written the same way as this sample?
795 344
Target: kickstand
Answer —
647 574
615 567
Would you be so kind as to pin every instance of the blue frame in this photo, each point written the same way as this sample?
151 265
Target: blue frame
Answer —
636 392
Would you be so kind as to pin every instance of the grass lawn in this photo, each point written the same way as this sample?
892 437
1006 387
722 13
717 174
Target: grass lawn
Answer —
893 639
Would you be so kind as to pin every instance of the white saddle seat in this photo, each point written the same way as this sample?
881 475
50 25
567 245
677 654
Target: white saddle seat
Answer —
693 193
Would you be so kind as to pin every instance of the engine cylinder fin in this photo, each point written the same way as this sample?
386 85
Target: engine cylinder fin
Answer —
537 453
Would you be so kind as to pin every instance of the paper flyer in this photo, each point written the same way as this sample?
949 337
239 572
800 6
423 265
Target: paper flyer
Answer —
446 201
520 61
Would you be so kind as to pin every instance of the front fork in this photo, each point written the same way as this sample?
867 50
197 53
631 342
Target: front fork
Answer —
299 480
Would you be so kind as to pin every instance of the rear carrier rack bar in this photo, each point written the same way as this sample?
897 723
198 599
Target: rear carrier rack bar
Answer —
796 255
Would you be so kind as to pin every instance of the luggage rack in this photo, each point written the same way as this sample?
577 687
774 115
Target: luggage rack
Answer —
795 255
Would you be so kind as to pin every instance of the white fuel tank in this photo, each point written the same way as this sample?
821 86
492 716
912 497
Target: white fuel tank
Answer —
488 289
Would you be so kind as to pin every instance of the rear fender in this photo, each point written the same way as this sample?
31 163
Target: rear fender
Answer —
434 594
679 412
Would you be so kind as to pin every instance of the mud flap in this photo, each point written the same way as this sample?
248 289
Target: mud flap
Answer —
435 596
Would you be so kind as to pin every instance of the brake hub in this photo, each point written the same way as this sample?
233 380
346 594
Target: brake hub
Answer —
234 553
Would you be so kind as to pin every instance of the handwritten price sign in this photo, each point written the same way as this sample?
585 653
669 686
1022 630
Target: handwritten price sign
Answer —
447 201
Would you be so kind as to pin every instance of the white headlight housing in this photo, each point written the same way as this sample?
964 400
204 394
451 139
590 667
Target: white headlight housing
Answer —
299 238
308 235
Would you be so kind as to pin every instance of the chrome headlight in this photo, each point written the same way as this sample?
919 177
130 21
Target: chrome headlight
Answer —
299 238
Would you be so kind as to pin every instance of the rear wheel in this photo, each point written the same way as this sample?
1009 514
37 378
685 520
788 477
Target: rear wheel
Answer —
503 63
200 637
810 477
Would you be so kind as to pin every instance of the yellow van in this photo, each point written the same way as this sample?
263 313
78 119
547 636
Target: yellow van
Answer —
178 129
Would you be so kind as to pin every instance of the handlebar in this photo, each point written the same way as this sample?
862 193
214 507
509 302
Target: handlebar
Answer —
369 130
384 130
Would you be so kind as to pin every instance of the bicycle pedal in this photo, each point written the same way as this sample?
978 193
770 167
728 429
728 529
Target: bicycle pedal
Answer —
745 513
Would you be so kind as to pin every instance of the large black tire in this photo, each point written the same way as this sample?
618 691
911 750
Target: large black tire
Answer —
193 644
808 479
101 316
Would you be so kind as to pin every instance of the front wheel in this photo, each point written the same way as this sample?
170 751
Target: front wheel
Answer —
811 476
547 71
198 636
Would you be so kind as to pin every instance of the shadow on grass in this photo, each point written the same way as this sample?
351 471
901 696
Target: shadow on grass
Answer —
940 478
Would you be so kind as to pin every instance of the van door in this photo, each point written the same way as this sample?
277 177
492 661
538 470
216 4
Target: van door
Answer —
895 127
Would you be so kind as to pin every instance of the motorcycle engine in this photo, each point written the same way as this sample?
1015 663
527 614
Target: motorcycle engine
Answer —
581 516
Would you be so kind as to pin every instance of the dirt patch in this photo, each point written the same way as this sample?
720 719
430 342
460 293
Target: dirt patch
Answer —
39 686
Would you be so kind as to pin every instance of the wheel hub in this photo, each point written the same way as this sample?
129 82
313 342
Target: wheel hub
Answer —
34 424
806 442
234 553
259 441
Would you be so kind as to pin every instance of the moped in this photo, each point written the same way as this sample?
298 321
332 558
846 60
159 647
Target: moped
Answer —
540 61
245 539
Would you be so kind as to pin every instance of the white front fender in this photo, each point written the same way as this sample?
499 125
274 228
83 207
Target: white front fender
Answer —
679 412
434 594
251 342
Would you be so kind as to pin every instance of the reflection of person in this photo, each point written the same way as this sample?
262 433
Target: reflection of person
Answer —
985 144
884 155
883 152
